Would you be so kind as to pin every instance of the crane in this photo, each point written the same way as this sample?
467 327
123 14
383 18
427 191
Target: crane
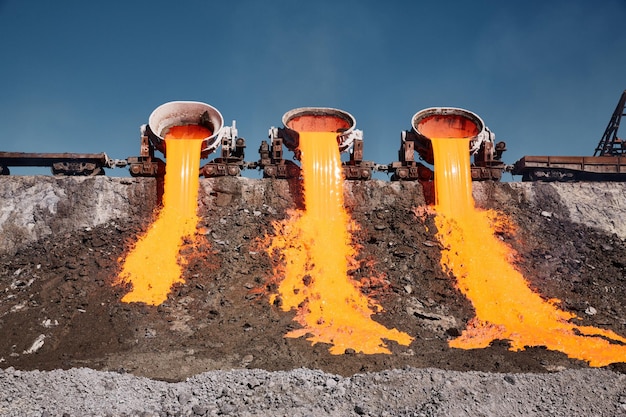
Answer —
611 144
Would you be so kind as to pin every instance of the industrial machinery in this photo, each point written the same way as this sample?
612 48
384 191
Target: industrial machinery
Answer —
177 113
321 119
230 162
608 162
60 163
487 154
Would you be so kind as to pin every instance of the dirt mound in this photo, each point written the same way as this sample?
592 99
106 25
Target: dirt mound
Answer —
62 240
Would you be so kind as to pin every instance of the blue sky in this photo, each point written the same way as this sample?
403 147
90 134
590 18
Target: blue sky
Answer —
82 76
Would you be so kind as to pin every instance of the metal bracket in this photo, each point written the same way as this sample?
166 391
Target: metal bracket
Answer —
271 159
230 162
356 168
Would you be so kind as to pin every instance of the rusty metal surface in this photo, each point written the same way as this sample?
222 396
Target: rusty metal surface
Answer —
145 166
571 168
60 163
600 164
25 159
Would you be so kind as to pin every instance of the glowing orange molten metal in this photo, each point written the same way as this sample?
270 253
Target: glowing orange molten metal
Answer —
315 248
154 264
506 308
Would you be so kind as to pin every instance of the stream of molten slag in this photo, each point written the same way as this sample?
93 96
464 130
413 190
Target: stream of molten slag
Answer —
315 248
154 264
506 307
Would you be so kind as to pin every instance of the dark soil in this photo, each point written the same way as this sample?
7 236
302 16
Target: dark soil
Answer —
220 318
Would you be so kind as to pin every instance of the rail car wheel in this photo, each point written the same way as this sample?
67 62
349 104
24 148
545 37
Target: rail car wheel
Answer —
549 175
86 169
537 175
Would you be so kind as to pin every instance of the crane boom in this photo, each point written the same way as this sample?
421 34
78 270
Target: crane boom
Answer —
611 144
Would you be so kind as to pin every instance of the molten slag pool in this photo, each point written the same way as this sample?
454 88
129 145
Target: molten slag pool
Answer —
506 307
315 250
154 264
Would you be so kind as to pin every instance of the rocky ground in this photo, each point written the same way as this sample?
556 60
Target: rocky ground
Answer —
217 347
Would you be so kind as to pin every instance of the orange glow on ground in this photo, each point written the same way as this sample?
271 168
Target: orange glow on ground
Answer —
315 249
154 264
506 308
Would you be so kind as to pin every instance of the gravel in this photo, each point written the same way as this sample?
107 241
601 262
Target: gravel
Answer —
304 392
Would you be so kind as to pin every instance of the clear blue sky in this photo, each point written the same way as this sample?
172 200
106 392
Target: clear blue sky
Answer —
82 76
